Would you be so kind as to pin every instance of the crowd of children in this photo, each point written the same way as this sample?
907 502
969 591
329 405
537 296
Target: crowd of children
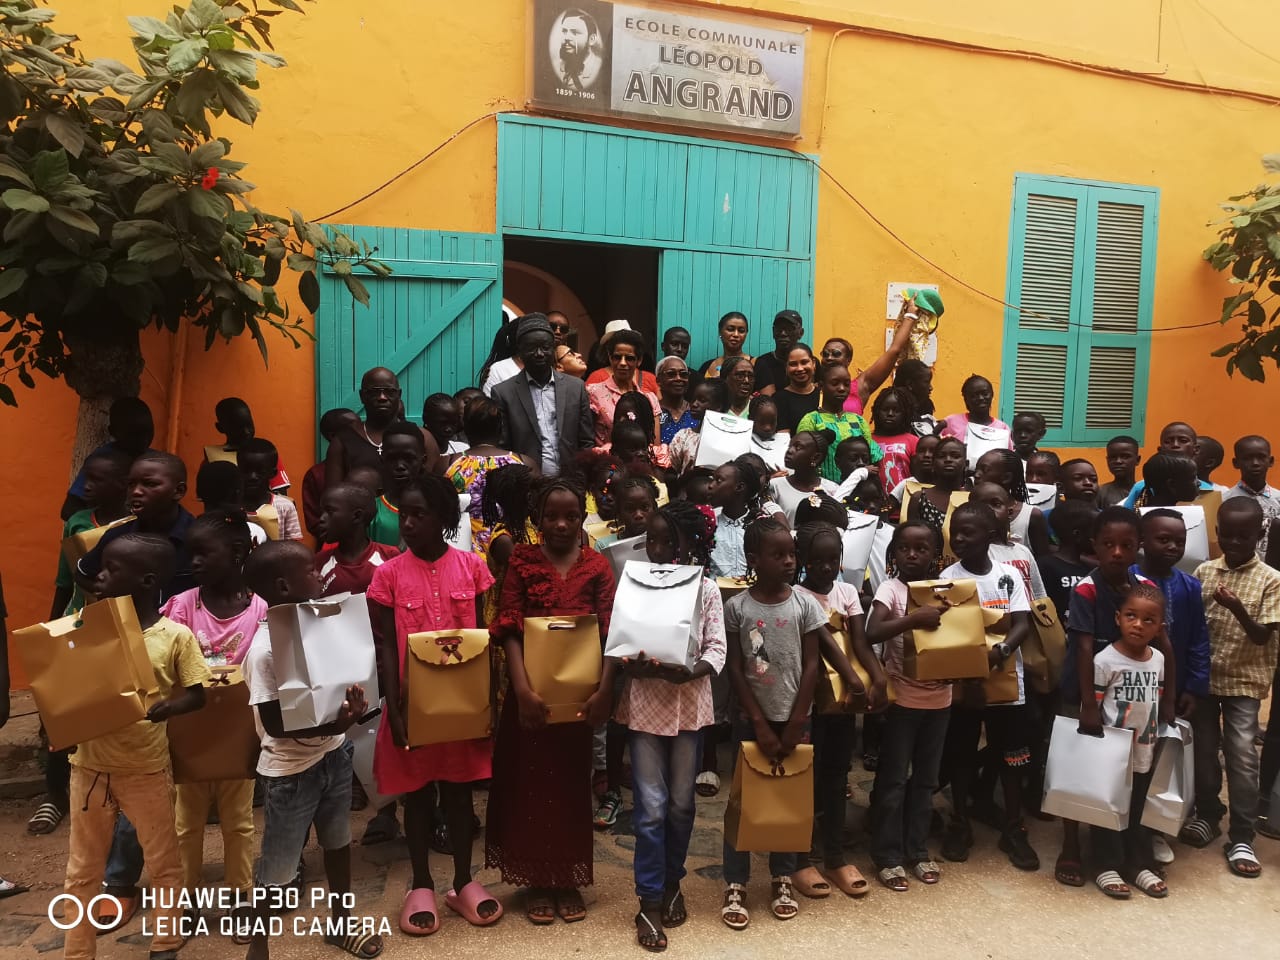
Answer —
1147 640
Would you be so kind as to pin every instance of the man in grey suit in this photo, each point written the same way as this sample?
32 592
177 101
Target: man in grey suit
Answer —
547 414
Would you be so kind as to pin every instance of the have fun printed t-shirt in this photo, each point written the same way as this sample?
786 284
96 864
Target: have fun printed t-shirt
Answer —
1128 694
771 638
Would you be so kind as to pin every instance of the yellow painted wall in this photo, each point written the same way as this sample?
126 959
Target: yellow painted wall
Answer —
927 132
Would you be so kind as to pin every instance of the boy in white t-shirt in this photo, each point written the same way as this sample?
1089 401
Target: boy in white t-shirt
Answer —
1128 679
974 528
306 774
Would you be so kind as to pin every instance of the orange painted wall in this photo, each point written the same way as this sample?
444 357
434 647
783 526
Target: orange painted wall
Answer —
927 134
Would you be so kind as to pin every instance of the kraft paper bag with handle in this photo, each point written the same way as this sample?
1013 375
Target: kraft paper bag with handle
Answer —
1172 793
89 673
770 808
1209 501
957 650
219 453
320 648
1089 779
723 437
859 539
831 686
1044 652
268 518
363 738
1197 549
620 551
597 531
1001 685
219 741
731 586
563 658
911 489
656 610
79 544
447 679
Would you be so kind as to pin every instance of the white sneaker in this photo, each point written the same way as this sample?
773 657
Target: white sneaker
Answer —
1161 849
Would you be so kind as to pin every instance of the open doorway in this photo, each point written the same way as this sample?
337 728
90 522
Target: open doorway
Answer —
589 283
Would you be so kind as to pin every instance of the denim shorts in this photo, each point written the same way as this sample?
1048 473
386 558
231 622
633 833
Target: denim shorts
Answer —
319 795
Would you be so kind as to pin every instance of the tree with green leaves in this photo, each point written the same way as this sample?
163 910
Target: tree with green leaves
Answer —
1249 248
120 209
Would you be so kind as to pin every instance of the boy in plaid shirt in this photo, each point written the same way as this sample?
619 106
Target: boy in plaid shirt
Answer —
1242 606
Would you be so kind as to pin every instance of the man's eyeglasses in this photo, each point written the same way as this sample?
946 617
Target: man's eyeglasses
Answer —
678 374
560 328
619 357
392 392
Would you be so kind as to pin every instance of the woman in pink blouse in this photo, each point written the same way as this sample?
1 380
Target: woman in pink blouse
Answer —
626 347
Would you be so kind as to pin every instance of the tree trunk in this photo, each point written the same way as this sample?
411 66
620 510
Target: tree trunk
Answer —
100 372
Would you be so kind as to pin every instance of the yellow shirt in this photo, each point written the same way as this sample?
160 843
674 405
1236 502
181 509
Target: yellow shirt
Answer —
144 746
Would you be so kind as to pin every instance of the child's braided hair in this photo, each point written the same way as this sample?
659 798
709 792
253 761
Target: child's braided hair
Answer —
809 533
549 485
697 524
753 538
506 499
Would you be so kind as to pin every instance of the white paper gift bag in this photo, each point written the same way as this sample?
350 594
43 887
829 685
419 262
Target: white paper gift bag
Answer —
620 551
859 540
981 438
1172 792
462 539
363 737
320 648
1042 496
723 437
878 562
1089 779
656 610
1197 549
773 451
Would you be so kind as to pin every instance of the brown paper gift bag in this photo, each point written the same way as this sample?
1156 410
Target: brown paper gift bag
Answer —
1210 501
597 531
731 586
830 689
957 650
563 658
218 452
268 519
1045 650
79 544
220 740
770 807
90 674
447 679
1001 685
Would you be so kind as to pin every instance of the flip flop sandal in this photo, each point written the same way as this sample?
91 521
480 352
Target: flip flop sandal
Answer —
241 918
104 913
570 906
467 901
707 784
1239 853
734 912
674 911
895 878
1068 872
1199 833
417 901
540 909
647 930
10 889
356 944
810 883
1150 884
927 871
1113 885
849 881
783 905
45 820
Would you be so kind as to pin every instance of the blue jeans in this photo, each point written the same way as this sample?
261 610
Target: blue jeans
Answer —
663 770
737 864
320 794
1229 724
124 863
906 777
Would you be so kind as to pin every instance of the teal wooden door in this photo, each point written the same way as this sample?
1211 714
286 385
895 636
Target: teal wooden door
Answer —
696 289
432 321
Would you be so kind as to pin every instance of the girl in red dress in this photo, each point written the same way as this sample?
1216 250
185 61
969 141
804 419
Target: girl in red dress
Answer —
539 832
431 586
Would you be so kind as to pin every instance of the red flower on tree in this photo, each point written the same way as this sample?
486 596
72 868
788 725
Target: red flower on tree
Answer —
209 179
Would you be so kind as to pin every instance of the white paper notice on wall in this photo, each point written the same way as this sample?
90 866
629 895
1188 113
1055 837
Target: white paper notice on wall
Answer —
893 305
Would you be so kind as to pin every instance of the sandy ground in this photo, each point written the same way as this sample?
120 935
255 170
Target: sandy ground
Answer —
982 909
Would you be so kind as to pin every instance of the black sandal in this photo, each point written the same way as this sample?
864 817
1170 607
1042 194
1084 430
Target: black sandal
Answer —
650 935
674 911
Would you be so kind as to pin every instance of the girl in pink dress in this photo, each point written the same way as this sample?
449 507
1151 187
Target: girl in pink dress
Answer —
431 586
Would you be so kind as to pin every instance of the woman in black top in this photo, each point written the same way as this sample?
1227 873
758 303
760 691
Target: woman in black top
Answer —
801 394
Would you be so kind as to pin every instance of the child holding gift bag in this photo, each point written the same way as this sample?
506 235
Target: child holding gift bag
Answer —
224 614
664 709
818 553
539 832
431 586
1128 677
128 771
773 665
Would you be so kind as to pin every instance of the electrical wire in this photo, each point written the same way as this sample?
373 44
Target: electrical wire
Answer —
943 271
1235 36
